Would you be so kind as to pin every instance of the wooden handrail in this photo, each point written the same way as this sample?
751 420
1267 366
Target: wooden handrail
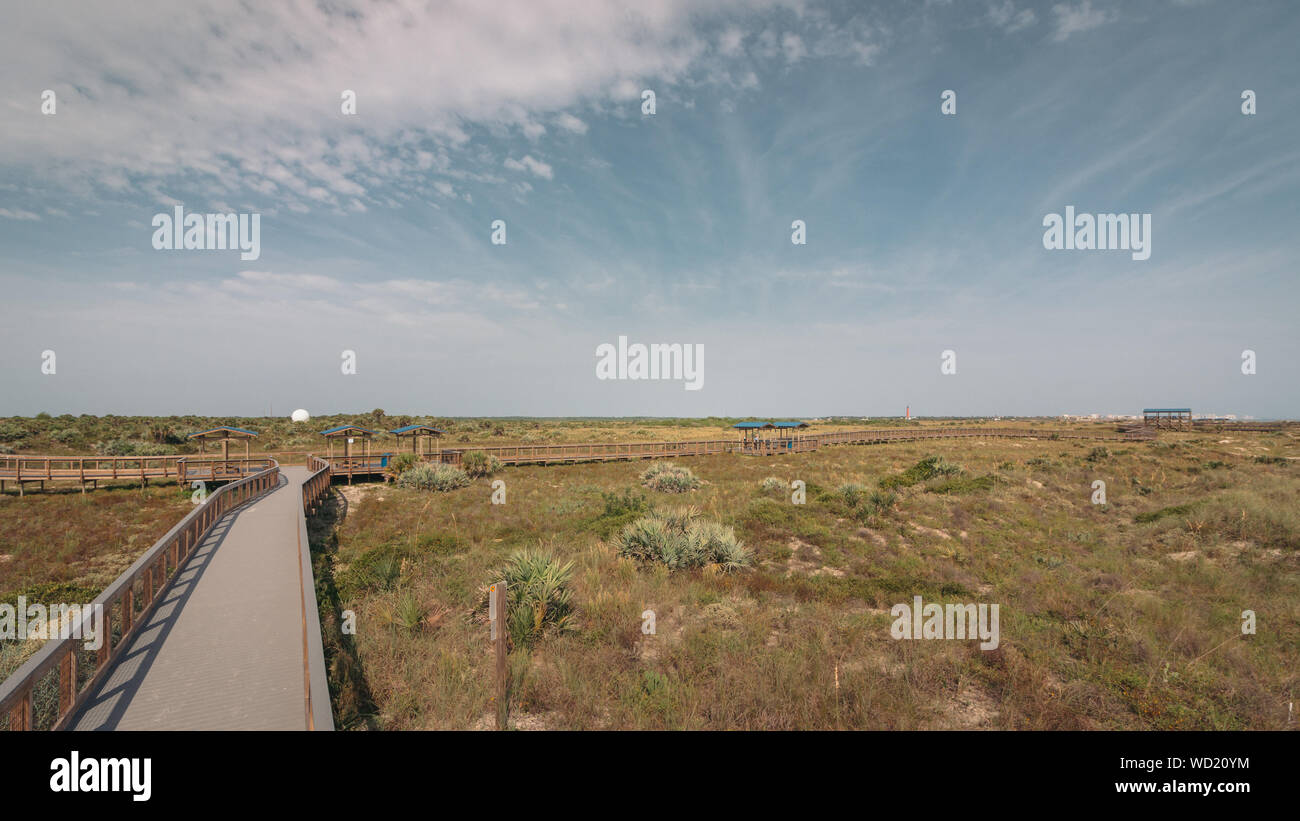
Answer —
51 468
317 484
189 468
140 585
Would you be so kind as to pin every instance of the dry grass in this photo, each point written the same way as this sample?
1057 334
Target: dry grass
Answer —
84 540
62 547
1102 627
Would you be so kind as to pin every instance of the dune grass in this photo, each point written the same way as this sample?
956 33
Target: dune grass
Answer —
1111 618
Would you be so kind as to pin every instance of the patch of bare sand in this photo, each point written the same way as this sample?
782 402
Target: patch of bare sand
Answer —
806 558
971 709
868 533
548 720
881 662
930 531
355 493
668 631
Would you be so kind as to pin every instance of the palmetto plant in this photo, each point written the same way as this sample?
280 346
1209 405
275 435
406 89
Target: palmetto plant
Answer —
477 464
399 464
666 477
538 597
684 538
410 611
433 477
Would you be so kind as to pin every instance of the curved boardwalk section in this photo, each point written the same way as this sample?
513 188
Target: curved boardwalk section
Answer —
235 642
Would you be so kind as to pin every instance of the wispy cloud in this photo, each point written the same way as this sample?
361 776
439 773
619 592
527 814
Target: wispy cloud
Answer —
536 167
1079 17
1010 19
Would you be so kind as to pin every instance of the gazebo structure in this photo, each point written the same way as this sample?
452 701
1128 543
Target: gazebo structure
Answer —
351 462
784 438
348 434
418 434
1167 417
223 434
749 430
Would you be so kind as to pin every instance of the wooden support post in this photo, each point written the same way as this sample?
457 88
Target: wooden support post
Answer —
20 717
106 640
497 616
67 681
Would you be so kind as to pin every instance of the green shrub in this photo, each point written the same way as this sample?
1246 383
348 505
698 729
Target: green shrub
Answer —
683 538
410 612
441 544
772 484
163 434
126 447
628 500
377 569
538 597
64 436
477 464
1097 454
931 467
438 477
621 507
399 464
963 484
1154 515
881 501
665 477
851 493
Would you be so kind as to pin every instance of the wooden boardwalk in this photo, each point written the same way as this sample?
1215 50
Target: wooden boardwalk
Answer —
225 647
215 627
23 469
375 465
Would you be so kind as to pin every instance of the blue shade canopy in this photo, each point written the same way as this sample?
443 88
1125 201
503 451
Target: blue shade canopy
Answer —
226 429
417 428
342 429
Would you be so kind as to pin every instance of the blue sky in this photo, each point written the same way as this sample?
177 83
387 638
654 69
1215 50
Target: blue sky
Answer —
924 230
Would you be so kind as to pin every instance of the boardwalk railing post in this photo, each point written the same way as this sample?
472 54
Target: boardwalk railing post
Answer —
497 617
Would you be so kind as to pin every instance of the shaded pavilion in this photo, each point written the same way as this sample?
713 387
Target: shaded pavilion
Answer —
749 430
224 435
348 434
420 434
783 438
1167 417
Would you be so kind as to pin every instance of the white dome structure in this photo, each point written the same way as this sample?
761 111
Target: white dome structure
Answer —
300 415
